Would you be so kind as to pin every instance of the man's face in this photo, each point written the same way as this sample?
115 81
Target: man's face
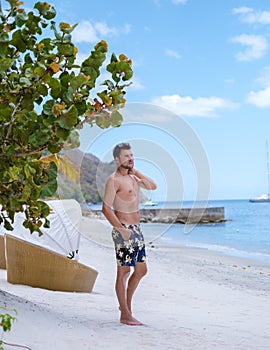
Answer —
125 159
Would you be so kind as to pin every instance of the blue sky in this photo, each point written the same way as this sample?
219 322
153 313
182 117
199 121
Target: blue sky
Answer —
204 67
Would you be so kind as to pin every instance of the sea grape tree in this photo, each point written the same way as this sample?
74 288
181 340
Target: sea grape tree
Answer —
45 98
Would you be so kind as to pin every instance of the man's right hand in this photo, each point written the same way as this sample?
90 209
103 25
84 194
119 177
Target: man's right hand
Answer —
125 232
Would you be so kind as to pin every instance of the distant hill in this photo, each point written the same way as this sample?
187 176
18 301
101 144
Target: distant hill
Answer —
93 175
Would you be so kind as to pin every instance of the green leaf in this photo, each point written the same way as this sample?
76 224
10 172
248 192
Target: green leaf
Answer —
18 41
90 71
116 119
47 224
42 89
21 18
5 64
68 119
111 67
68 96
36 192
42 206
5 111
81 107
49 188
54 148
103 121
47 42
7 225
26 193
55 86
4 49
50 14
113 58
4 37
62 134
15 205
64 79
47 107
46 10
29 72
67 29
27 102
78 81
33 23
105 98
128 74
28 59
57 35
39 138
29 171
40 71
108 83
25 81
66 49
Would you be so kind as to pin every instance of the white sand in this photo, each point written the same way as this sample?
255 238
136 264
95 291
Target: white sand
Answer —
190 299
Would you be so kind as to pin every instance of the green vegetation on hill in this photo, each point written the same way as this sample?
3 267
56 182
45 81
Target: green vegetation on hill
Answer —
93 175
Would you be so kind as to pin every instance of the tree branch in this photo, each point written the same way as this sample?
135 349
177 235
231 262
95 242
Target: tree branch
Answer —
25 154
19 346
5 124
13 116
30 153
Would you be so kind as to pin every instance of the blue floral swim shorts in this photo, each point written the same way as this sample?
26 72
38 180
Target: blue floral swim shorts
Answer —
129 252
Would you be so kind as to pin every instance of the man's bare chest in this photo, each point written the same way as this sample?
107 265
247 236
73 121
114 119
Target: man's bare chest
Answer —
127 187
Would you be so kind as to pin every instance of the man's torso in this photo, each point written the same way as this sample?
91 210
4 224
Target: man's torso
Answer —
126 202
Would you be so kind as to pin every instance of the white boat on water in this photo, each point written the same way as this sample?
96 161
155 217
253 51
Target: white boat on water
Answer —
149 203
264 198
261 199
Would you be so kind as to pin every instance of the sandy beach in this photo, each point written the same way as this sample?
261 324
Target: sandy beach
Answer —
190 299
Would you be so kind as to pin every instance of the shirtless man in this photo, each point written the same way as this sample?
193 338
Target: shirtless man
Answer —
121 208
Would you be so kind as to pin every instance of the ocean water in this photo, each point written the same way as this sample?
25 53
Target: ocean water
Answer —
246 233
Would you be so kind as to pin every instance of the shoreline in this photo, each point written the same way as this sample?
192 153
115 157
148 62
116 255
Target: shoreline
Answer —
190 299
153 238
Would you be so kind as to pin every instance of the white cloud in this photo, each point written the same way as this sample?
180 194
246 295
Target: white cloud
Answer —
264 79
172 53
241 10
188 106
103 30
249 15
176 2
260 98
89 32
149 114
85 32
256 46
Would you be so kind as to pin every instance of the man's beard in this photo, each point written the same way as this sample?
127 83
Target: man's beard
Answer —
127 167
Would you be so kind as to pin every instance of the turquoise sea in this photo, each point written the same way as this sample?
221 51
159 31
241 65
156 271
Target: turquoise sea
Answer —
246 233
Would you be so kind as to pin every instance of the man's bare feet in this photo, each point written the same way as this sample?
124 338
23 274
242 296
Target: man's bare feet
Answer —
130 321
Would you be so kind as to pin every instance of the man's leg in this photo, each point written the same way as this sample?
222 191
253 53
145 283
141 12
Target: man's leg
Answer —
120 288
121 292
140 271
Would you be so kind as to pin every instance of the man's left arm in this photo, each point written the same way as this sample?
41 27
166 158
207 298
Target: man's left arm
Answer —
143 180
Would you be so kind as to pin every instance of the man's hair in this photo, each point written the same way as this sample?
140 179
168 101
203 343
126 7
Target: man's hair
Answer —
118 148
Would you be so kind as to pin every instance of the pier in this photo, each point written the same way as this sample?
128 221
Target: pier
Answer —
184 215
178 216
